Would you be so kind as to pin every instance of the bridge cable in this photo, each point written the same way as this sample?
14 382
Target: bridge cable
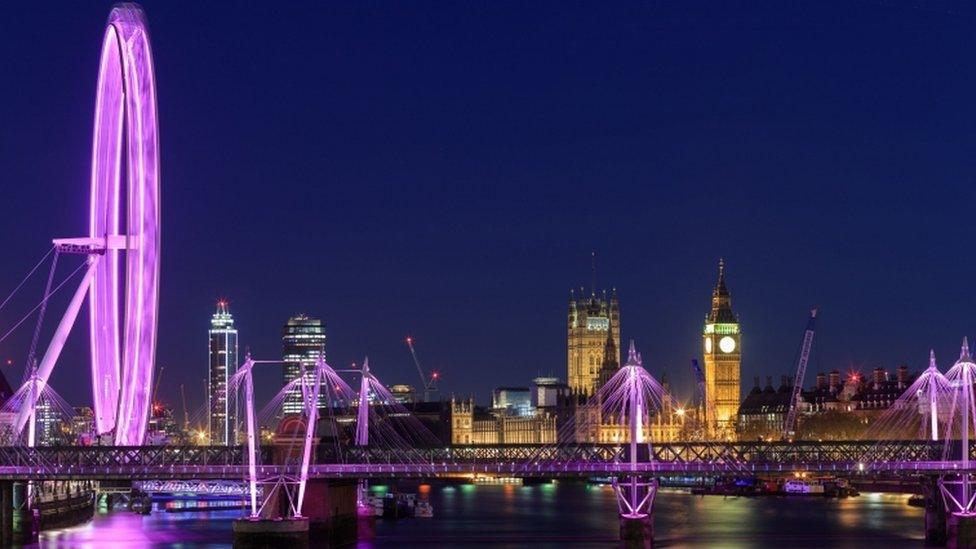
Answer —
46 297
22 282
32 353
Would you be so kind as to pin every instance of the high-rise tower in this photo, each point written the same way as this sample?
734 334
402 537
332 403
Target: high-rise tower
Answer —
592 329
223 365
722 347
302 343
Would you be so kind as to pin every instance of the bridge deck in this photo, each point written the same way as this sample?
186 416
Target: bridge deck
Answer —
549 470
228 462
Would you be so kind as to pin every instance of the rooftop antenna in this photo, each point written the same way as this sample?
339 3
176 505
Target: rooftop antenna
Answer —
593 266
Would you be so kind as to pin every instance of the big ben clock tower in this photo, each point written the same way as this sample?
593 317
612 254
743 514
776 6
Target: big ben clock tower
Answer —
722 348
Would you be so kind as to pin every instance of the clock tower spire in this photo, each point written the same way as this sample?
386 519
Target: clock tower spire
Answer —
721 346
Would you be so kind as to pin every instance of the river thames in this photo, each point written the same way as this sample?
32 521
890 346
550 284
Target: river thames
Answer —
559 515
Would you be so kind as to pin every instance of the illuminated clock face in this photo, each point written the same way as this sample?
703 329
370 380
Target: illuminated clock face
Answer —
708 344
727 344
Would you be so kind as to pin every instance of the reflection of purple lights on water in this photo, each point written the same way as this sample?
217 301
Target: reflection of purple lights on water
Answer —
125 529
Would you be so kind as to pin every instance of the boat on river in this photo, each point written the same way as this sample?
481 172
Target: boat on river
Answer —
803 487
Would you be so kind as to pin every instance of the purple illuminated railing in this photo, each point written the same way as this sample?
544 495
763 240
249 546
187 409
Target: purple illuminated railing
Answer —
227 462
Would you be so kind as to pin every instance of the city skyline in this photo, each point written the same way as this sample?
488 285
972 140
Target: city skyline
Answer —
393 200
750 171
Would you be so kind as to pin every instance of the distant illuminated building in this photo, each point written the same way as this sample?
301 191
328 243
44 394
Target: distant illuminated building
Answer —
404 394
513 401
82 428
763 411
162 426
9 418
223 365
471 425
549 391
48 423
302 343
591 320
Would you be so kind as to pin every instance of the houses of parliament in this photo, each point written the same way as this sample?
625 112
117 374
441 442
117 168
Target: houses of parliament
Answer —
593 356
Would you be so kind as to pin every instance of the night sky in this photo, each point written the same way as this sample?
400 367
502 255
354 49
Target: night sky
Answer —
446 169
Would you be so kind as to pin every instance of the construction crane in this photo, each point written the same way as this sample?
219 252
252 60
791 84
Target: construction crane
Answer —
428 383
159 376
186 418
708 408
801 369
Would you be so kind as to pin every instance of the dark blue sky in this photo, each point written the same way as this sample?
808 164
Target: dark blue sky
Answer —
445 169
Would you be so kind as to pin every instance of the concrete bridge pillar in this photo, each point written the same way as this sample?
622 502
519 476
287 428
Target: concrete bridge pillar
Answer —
330 518
330 506
936 517
24 526
961 531
637 533
637 528
273 526
6 513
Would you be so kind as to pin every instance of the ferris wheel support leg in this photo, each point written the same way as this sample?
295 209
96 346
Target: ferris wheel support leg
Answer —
56 345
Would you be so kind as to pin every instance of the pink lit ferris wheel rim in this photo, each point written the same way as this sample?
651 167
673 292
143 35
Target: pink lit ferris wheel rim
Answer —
123 344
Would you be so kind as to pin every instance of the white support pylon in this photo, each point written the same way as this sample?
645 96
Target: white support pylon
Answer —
362 427
965 370
311 415
635 497
252 469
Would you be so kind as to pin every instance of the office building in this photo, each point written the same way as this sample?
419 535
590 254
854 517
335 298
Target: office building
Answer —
223 407
302 343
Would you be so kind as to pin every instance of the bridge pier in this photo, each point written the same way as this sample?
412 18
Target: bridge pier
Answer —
330 506
637 532
262 532
637 516
6 513
936 518
273 526
24 527
329 519
961 531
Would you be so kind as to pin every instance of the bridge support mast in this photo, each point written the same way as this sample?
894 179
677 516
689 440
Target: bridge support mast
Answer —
311 418
635 496
362 431
957 490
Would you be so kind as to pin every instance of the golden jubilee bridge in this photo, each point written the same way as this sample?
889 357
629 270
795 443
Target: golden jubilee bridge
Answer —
901 457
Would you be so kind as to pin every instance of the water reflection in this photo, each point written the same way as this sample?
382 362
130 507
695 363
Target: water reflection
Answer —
555 515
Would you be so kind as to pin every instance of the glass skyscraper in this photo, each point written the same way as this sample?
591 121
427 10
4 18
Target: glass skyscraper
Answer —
223 365
302 343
